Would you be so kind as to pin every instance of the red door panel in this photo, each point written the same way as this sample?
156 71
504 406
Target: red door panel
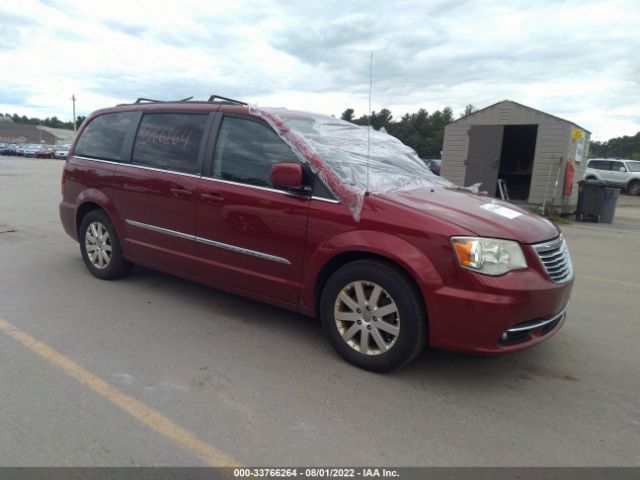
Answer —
158 209
252 238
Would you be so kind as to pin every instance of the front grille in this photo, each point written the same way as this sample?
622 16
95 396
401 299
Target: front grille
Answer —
556 259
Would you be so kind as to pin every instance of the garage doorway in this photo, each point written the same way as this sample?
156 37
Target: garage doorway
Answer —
516 159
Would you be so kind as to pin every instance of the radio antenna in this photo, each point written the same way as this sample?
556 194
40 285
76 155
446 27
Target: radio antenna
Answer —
369 119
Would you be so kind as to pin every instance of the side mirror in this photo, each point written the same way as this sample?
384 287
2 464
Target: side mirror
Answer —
287 175
621 169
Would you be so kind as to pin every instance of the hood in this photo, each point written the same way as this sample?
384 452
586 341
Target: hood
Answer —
484 216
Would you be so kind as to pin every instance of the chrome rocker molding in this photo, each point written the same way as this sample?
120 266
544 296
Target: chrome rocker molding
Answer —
206 241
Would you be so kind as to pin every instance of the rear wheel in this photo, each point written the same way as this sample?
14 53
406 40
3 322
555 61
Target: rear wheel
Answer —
634 188
100 247
373 315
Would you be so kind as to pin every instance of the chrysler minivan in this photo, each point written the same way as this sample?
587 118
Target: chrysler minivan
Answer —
317 215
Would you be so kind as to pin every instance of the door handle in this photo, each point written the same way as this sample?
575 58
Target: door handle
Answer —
181 192
212 198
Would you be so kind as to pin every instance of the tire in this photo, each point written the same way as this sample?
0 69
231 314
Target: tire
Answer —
100 247
634 188
580 217
597 218
388 342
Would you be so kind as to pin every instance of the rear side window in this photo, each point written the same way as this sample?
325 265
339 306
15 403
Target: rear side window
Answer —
246 150
104 136
170 141
618 167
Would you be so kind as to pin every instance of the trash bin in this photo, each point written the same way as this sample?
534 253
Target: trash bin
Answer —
609 202
590 196
596 201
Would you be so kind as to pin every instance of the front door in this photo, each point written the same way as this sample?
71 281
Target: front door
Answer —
483 158
250 234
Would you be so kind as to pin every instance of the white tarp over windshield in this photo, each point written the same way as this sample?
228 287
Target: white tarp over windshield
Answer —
352 160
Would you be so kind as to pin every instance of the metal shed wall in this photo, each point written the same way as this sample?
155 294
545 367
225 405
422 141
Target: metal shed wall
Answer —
553 147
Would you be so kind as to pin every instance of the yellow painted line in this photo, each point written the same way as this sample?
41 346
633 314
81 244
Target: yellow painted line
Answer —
606 280
147 415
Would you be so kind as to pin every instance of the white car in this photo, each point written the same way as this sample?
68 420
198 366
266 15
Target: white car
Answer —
62 151
615 172
31 150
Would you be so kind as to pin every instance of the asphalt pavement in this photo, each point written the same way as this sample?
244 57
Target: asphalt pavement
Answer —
155 370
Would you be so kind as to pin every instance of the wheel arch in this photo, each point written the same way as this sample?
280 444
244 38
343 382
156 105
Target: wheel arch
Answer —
92 199
405 257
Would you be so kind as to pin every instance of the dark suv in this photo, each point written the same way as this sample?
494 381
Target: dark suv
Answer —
316 215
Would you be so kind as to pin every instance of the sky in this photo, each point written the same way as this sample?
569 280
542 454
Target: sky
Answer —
579 60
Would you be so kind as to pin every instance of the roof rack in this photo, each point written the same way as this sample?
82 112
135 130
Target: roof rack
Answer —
150 100
213 98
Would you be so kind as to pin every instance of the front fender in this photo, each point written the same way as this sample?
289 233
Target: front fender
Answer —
390 247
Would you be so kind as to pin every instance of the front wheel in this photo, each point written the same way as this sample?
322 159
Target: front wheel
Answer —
373 315
100 247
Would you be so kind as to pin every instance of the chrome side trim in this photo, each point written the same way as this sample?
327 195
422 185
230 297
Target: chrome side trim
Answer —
328 200
268 189
142 167
539 324
212 243
166 231
244 251
96 160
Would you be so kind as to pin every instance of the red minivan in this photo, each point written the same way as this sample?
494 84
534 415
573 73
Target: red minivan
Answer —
316 215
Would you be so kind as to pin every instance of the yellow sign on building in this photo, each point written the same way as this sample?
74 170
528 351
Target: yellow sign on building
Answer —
576 134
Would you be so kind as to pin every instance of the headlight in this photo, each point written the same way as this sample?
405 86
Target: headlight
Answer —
490 256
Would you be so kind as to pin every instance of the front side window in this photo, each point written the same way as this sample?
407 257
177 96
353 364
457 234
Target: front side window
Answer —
246 150
104 136
170 141
633 166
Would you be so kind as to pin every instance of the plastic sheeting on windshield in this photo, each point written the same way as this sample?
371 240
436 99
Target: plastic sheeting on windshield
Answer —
352 160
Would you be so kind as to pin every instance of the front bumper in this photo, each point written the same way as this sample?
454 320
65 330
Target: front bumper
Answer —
494 315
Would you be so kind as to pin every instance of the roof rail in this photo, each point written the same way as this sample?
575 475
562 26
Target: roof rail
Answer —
213 98
150 100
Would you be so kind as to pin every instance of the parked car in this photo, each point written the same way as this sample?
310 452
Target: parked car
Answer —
45 151
31 150
20 150
434 164
289 208
8 149
61 151
615 172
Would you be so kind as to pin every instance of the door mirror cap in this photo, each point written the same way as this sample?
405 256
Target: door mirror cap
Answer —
287 175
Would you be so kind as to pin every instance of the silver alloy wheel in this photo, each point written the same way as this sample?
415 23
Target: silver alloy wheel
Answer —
97 243
634 189
367 317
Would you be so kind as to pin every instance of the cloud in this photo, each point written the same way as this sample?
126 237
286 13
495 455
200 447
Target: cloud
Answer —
574 59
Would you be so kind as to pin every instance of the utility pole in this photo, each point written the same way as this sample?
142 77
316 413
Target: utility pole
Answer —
73 99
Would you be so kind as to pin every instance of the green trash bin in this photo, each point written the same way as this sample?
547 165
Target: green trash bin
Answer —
590 198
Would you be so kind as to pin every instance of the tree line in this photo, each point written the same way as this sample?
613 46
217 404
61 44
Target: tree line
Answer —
422 131
619 147
53 122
